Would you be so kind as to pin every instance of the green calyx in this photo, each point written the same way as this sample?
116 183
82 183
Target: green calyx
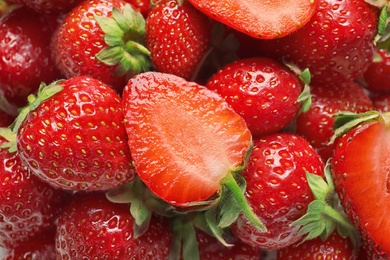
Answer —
324 213
7 134
124 35
44 93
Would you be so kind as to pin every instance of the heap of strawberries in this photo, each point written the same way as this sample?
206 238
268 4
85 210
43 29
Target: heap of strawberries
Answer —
193 129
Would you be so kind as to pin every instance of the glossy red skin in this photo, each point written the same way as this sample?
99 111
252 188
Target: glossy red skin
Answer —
76 140
335 247
25 58
51 6
180 52
316 125
74 51
336 44
28 205
41 246
377 75
91 227
360 174
277 189
381 102
263 91
142 5
181 133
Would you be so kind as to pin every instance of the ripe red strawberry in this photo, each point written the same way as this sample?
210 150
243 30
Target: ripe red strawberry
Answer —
40 246
336 44
72 136
376 78
260 19
360 172
91 227
335 247
263 91
25 59
381 102
178 36
316 125
103 39
142 5
277 189
28 205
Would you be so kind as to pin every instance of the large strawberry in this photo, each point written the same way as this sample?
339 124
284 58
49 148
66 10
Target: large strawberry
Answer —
336 44
91 227
263 91
103 39
360 167
25 59
187 143
316 125
28 205
72 135
178 36
277 189
260 19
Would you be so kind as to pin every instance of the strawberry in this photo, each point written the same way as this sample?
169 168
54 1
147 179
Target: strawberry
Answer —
277 189
51 6
91 227
260 19
142 5
103 39
40 246
72 136
362 154
263 91
28 205
316 125
381 102
335 247
335 45
178 36
181 133
376 77
25 59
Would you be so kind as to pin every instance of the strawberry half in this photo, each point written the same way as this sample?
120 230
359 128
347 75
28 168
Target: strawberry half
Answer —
259 19
360 167
186 141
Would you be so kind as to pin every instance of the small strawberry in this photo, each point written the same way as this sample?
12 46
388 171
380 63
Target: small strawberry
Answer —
337 44
259 19
360 171
376 78
181 134
316 125
91 227
25 59
28 205
335 247
72 135
277 189
178 36
103 39
263 91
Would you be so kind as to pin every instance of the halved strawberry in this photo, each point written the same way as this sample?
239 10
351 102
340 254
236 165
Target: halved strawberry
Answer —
360 168
187 142
260 19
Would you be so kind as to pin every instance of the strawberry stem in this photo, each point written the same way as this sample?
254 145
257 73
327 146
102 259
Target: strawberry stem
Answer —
230 183
337 216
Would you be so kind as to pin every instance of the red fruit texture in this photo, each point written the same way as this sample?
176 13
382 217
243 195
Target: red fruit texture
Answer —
277 189
377 76
261 90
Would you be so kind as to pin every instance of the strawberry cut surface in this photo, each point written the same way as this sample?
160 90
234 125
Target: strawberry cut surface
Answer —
361 172
184 138
260 19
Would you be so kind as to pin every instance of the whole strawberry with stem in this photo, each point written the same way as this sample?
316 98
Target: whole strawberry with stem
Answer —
25 58
277 189
178 36
360 172
92 227
28 205
337 44
262 90
102 39
72 136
